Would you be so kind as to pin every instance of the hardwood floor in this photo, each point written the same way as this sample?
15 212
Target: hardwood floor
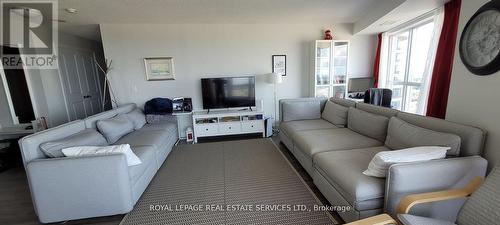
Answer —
16 207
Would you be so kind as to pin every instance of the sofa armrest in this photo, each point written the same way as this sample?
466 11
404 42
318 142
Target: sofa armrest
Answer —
435 175
382 219
299 100
411 200
79 187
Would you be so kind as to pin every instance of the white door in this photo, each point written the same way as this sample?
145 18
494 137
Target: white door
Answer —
80 83
90 83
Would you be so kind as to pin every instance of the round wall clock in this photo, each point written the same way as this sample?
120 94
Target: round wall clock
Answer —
480 40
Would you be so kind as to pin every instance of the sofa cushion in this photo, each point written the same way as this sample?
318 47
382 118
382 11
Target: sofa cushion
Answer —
169 127
472 138
368 124
147 155
407 219
343 102
306 110
87 137
125 108
91 121
343 170
314 141
335 113
290 127
141 137
115 128
379 110
401 134
137 117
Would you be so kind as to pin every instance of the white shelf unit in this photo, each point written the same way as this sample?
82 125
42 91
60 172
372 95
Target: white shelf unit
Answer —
329 75
227 122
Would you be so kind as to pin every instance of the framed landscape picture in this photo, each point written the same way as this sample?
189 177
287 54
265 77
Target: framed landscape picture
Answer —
279 64
159 68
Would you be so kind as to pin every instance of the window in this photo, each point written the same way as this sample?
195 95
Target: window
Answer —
408 60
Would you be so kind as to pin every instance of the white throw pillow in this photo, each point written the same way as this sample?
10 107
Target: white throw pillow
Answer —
132 159
381 162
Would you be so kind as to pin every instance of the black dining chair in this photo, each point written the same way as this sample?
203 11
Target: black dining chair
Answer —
379 96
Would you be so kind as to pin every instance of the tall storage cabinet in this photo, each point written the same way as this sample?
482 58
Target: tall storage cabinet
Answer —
329 68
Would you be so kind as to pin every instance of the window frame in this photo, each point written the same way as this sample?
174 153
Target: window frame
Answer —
386 72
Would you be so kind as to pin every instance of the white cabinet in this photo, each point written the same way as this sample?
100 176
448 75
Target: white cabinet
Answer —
227 122
252 126
230 127
204 130
329 71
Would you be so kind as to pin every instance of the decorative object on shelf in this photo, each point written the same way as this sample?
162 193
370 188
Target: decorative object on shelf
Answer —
187 105
39 124
178 104
480 40
275 79
279 64
189 135
159 68
328 34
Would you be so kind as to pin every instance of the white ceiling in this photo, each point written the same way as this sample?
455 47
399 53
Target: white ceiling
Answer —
90 13
401 12
207 11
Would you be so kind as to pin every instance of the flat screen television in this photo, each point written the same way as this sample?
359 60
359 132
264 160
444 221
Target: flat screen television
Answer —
228 92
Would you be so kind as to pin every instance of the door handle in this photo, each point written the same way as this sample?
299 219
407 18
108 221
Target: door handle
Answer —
87 96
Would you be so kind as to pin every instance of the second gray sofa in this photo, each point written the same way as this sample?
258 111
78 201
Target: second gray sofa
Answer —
69 188
336 145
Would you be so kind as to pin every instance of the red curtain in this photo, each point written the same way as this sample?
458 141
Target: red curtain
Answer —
441 75
376 65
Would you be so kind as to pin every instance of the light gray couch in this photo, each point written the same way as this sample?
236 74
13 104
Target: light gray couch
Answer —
335 155
70 188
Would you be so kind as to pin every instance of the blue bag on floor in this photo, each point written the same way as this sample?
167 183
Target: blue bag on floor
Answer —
158 106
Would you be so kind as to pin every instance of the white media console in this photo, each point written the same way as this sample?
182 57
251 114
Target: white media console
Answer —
227 122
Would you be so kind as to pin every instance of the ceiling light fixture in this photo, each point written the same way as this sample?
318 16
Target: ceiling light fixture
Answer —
71 10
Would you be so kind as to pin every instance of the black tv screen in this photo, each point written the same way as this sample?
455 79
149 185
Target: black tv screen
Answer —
228 92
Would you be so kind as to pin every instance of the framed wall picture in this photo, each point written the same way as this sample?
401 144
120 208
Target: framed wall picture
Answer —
159 68
279 64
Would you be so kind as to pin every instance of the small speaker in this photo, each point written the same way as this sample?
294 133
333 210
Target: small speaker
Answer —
188 104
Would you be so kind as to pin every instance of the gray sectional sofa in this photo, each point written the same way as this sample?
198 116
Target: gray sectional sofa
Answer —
335 139
68 188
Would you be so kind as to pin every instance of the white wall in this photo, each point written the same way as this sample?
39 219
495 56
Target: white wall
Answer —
474 99
211 50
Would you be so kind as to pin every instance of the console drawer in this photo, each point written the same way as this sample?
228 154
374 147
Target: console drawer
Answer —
252 126
204 130
230 127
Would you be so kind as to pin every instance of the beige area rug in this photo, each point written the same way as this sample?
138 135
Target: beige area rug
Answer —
234 182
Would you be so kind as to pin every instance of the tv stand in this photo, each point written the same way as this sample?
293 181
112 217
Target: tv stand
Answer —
227 122
245 109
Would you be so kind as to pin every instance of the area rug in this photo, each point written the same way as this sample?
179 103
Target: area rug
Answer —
234 182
